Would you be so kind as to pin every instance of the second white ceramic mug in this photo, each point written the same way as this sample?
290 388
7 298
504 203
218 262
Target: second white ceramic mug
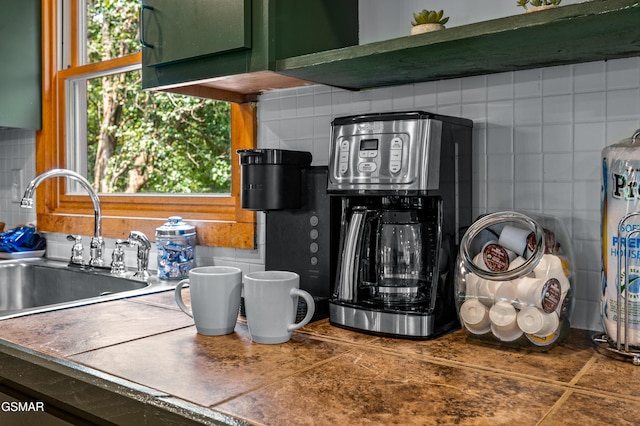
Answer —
271 304
215 298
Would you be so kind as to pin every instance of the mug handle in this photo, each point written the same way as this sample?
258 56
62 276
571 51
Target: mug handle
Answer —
311 308
178 296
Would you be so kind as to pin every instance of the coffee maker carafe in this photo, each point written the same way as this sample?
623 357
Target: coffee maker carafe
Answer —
396 256
404 184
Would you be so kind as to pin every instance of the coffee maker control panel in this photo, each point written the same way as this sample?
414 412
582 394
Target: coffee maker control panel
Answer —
397 152
377 155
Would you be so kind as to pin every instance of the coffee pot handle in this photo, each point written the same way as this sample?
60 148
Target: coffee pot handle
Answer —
347 285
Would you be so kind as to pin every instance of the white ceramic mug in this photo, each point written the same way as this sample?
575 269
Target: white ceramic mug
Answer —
271 303
215 298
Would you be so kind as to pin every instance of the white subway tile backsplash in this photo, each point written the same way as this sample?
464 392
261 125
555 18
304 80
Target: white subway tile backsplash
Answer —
528 83
528 111
449 91
500 113
558 167
425 95
500 86
453 110
476 112
499 196
557 138
557 109
589 136
587 194
528 196
527 139
617 130
557 80
586 225
556 195
623 104
500 168
474 89
499 140
589 107
586 165
623 73
528 168
402 98
589 77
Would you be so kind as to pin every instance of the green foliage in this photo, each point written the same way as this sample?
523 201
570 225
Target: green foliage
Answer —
536 3
429 17
153 142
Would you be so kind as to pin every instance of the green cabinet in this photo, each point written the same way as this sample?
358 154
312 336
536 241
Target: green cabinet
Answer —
20 64
217 47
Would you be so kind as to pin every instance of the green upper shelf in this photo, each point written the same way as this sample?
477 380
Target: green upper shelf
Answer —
584 32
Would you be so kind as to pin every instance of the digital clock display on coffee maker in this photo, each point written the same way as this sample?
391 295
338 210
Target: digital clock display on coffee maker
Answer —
368 144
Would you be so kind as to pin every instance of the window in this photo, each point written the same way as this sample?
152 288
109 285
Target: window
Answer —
218 217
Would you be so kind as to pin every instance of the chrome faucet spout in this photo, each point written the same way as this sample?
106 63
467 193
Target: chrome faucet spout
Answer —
97 244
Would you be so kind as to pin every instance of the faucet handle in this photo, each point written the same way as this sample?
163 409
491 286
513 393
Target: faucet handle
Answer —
140 240
118 265
76 250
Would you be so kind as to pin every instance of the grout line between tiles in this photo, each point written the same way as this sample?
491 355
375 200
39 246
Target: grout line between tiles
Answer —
556 406
68 356
280 379
583 370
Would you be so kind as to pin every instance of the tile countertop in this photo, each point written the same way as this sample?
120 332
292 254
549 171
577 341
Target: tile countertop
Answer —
140 361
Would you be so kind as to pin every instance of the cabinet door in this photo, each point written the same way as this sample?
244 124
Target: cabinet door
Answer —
20 64
176 30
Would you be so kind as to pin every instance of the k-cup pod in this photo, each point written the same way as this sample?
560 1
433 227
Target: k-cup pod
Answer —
471 285
487 291
551 244
505 291
496 258
514 239
549 266
504 324
516 263
475 316
543 294
535 321
479 262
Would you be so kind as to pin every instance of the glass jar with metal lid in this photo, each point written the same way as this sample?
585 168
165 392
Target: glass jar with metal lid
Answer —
515 280
176 243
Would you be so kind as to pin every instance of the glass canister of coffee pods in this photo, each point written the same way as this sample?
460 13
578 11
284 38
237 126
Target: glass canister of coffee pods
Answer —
518 263
176 244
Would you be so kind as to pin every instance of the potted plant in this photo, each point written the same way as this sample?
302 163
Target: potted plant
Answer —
428 20
538 4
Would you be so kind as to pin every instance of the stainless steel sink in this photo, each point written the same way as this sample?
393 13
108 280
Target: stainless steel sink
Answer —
30 286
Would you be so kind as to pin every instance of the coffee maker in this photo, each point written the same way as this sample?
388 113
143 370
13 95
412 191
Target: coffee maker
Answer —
403 181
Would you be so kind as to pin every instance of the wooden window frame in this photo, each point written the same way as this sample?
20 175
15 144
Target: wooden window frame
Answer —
219 219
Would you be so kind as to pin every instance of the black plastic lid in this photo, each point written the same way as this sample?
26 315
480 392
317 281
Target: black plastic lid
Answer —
274 156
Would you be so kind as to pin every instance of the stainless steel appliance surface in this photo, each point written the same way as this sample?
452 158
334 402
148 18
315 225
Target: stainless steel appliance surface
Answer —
403 182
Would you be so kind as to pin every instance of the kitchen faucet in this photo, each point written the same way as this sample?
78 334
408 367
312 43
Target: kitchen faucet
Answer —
97 242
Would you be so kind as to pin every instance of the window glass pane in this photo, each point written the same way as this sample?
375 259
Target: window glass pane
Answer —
151 142
111 28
